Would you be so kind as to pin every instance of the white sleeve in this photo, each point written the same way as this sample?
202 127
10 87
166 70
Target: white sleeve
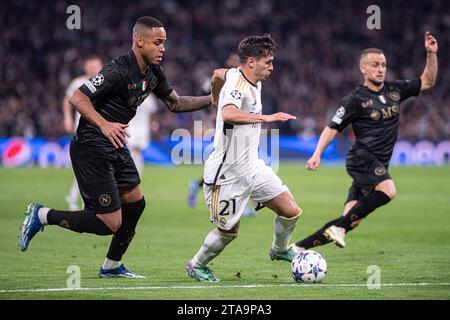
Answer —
231 94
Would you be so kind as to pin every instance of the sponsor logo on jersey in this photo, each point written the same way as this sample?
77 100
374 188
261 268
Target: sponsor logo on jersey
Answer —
367 103
375 115
390 111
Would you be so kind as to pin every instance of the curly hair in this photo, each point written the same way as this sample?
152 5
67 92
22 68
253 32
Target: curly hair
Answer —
256 47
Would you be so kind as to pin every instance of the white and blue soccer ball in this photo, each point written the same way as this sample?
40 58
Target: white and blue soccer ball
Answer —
309 267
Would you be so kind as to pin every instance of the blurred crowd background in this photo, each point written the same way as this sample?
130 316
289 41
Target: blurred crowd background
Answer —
316 65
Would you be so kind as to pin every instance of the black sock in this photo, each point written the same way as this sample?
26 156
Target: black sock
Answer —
362 208
78 221
317 238
131 212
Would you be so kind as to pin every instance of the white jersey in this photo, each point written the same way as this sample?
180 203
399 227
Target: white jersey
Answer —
235 152
139 126
73 86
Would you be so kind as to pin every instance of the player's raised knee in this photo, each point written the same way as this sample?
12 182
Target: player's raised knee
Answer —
112 220
391 193
293 210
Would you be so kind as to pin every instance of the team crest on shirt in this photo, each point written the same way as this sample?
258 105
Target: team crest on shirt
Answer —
394 96
97 79
104 200
379 171
382 98
236 94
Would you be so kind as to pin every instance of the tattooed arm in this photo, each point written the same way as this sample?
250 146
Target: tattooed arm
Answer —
178 104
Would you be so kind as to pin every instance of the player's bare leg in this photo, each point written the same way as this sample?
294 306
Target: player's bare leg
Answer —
288 212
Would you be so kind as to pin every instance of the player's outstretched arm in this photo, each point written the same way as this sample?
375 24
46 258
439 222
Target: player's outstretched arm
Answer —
178 104
326 137
114 131
231 114
429 74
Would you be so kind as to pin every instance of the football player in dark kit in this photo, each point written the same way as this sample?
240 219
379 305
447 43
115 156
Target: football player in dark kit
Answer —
105 171
373 109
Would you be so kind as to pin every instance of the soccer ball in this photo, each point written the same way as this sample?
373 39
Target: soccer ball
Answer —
309 267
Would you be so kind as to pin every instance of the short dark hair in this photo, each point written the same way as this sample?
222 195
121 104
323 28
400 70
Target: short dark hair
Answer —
143 24
365 52
256 47
149 22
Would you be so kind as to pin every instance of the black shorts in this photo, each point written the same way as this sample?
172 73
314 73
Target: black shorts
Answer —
366 171
101 174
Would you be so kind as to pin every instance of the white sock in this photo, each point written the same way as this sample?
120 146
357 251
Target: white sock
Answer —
282 232
212 246
110 264
42 214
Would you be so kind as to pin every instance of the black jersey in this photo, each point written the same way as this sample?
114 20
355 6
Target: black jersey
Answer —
116 92
374 117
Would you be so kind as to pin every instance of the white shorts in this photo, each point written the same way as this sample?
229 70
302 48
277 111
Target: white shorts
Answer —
226 203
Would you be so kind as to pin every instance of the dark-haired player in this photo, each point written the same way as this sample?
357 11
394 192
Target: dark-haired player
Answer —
373 109
233 173
105 171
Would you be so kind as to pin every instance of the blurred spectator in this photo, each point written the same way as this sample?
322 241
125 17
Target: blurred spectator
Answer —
320 42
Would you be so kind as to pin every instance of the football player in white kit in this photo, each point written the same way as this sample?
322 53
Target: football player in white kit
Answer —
92 66
233 173
139 131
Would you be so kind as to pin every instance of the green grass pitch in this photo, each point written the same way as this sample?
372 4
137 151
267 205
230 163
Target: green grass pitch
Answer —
408 239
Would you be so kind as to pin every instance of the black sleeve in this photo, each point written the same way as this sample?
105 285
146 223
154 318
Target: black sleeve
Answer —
101 83
344 115
163 88
408 88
